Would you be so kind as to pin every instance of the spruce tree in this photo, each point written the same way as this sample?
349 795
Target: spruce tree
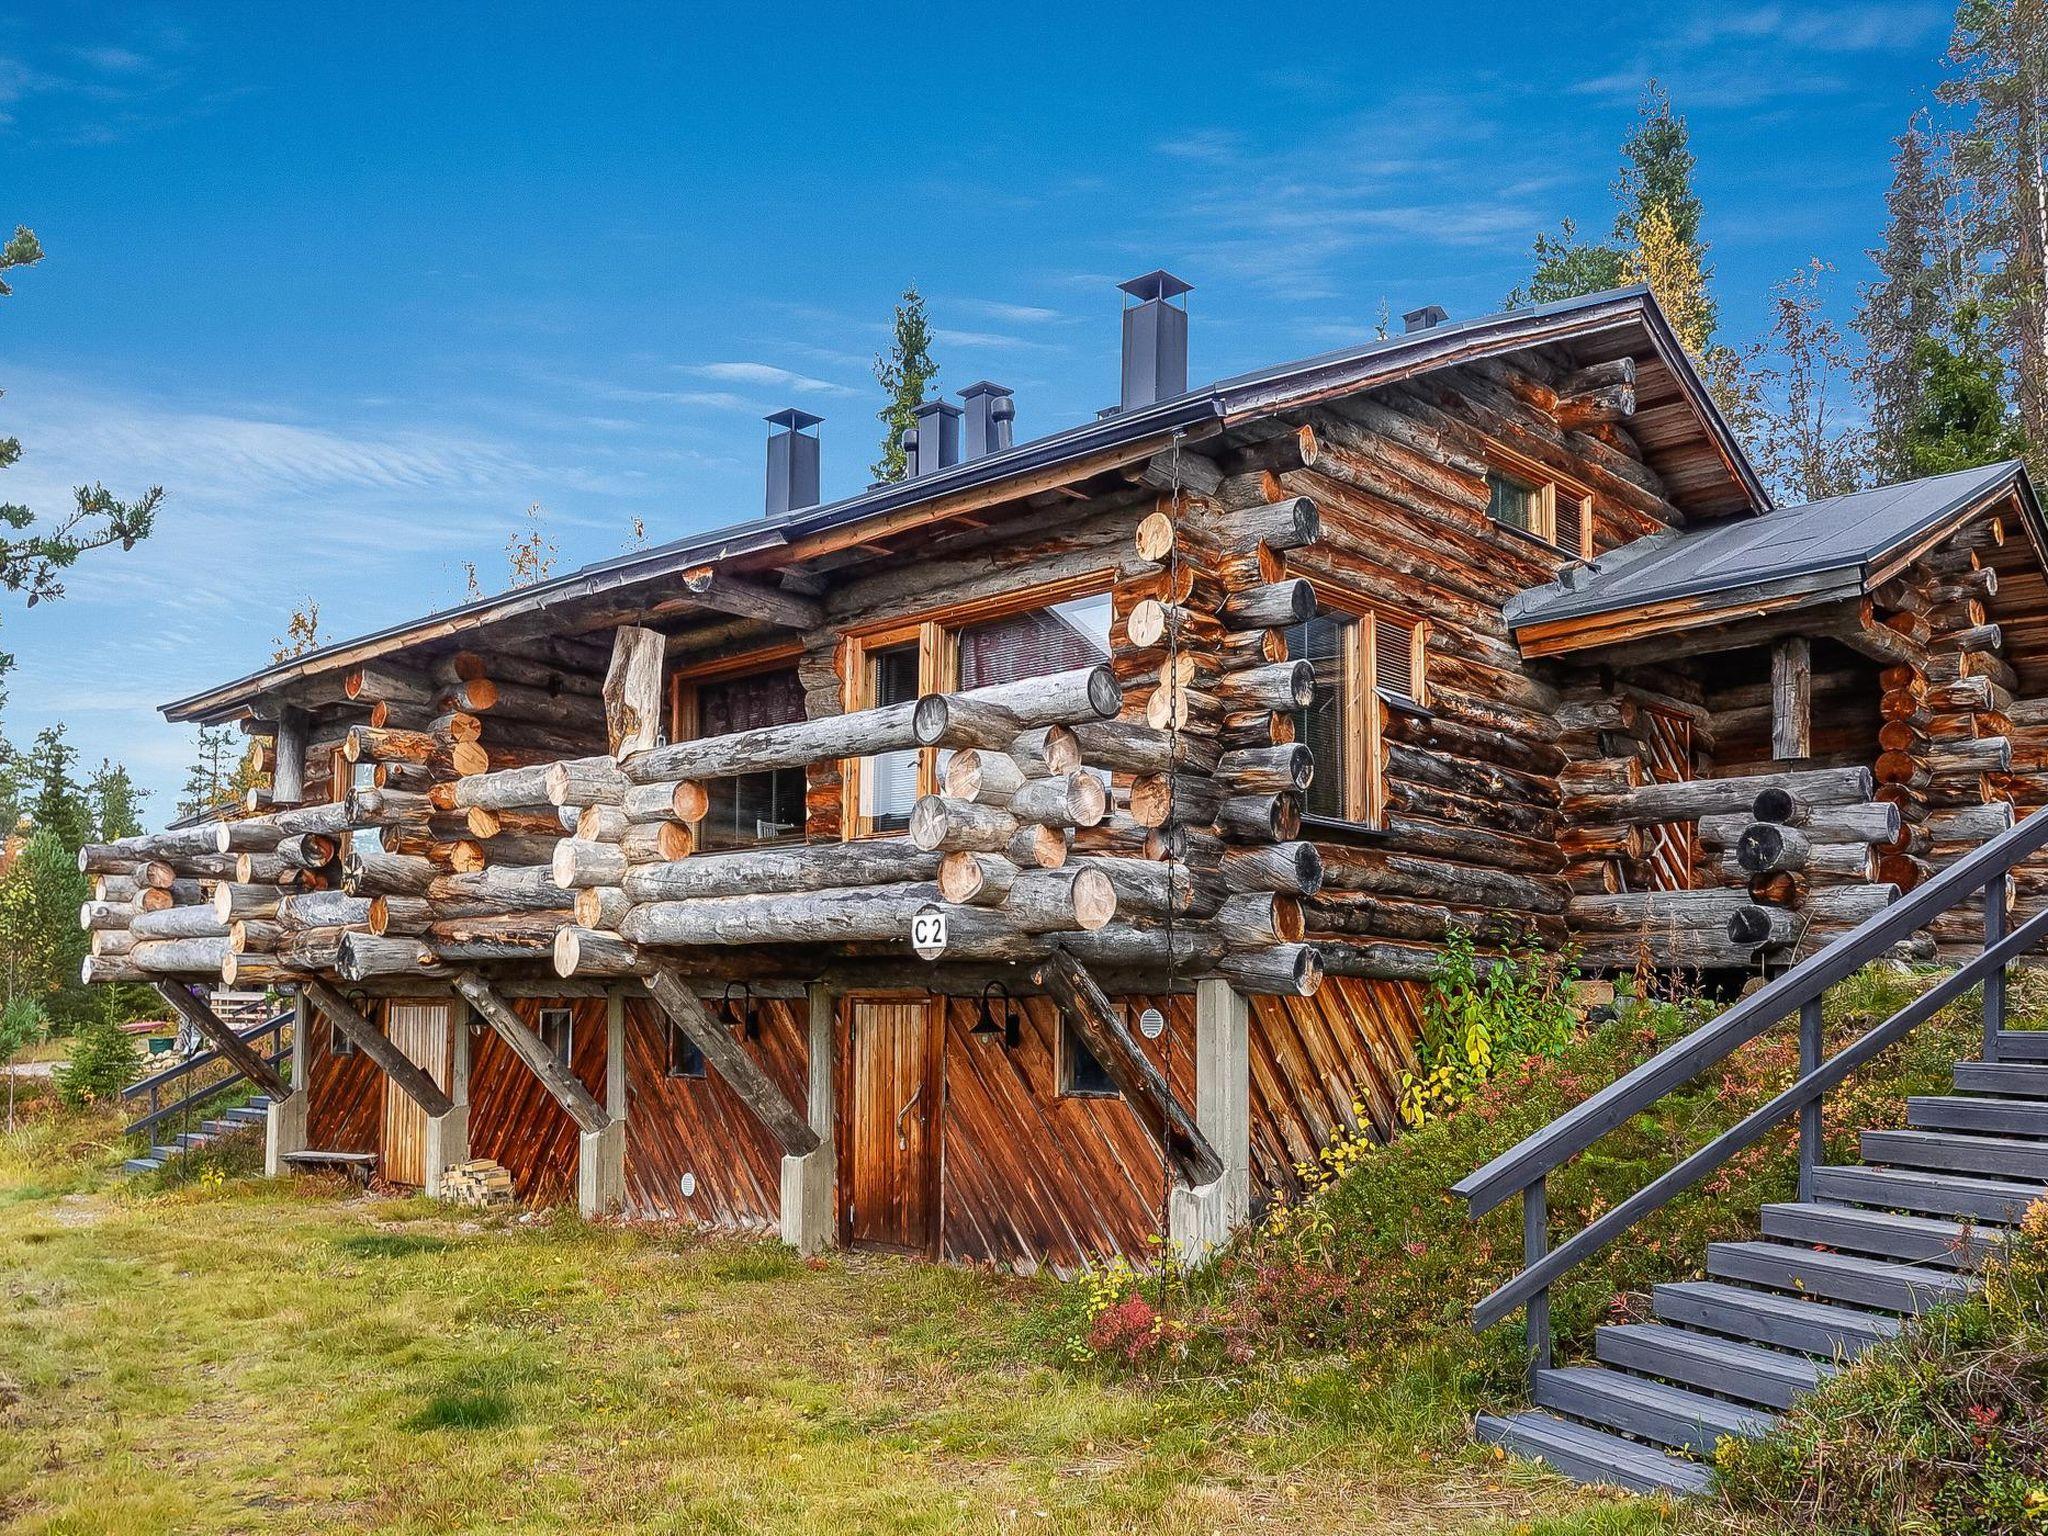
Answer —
905 372
1902 310
115 802
209 780
1960 415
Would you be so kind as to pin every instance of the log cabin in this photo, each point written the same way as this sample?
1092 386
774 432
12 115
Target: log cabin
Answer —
1042 855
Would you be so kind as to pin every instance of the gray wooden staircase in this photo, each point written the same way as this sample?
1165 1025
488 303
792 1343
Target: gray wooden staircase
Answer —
1864 1248
235 1122
171 1101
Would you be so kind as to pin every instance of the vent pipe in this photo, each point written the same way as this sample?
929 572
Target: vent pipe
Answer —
792 462
1155 340
935 441
991 416
1426 318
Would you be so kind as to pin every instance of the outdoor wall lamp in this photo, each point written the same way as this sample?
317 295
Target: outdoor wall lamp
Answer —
985 1022
741 1015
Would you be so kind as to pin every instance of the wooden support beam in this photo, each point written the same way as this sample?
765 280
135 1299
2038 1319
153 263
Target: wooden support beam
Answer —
713 589
288 773
730 1060
565 1087
632 690
1109 1040
410 1078
1792 698
225 1040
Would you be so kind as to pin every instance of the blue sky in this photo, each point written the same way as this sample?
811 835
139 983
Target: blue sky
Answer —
357 289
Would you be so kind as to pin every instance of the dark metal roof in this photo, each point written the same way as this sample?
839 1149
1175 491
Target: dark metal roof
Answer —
1243 397
1841 534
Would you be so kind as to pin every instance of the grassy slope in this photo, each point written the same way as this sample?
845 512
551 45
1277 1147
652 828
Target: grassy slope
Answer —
218 1356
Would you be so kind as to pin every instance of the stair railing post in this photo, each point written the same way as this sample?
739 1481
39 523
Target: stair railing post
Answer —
1994 980
1535 1244
1809 1113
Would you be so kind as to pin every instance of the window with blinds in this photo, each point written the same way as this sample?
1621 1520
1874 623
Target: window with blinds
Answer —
1394 658
1359 658
1543 507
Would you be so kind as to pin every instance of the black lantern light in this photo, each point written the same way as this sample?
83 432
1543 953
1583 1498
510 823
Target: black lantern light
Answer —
740 1015
986 1022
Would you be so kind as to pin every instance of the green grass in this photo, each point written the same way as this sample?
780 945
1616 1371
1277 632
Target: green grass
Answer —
210 1354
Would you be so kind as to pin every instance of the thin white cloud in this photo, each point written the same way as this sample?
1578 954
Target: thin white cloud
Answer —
768 376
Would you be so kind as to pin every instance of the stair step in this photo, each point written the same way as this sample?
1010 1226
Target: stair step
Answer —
191 1141
1836 1276
1763 1317
259 1101
142 1165
1769 1377
166 1153
2014 1079
1997 1156
1886 1234
221 1127
1649 1410
1992 1117
1591 1455
1934 1194
248 1115
2023 1045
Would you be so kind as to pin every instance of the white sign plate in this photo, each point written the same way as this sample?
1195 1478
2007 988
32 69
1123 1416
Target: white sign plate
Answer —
928 935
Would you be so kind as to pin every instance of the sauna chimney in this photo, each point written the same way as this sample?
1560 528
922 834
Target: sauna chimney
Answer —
792 462
991 414
1155 340
935 441
1427 318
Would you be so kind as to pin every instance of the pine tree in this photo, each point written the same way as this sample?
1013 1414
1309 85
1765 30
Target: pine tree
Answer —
1902 310
906 372
209 781
2000 50
56 801
1960 416
116 804
1567 266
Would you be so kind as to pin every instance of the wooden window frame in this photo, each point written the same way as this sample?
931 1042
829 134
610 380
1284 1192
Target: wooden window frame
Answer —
1363 709
668 1060
1065 1042
937 636
540 1028
1553 492
683 682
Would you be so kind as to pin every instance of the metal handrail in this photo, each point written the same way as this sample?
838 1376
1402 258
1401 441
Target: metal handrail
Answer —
1678 1064
153 1086
1525 1167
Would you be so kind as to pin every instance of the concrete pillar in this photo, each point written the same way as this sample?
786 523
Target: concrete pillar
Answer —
284 1130
807 1211
284 1125
1199 1221
601 1170
447 1144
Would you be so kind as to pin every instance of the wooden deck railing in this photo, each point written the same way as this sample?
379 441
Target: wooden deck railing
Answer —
1524 1168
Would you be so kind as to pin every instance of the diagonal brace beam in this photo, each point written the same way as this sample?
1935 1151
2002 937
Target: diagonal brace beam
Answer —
226 1041
566 1088
408 1075
729 1058
1109 1040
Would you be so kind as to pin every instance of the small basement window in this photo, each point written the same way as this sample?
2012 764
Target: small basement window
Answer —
1081 1074
558 1033
684 1058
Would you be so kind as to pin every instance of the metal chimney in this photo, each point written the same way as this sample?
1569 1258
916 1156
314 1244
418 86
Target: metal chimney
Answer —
1155 340
1426 318
792 462
991 413
935 441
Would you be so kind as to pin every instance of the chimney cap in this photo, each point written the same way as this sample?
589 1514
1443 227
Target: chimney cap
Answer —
982 387
939 405
1159 284
1425 318
793 419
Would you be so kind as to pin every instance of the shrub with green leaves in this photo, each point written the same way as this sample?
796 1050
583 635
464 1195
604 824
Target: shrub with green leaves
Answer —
103 1062
1482 1016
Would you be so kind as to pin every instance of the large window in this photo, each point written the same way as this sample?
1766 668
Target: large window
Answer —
1530 500
1029 638
1362 661
751 808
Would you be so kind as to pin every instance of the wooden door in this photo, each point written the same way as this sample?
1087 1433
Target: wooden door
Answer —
422 1031
1673 845
888 1141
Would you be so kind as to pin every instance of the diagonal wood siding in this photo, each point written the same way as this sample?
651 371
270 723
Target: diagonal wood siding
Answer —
345 1103
514 1120
678 1125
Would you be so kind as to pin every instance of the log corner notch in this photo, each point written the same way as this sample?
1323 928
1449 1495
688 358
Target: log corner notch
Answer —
225 1040
729 1059
1109 1040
